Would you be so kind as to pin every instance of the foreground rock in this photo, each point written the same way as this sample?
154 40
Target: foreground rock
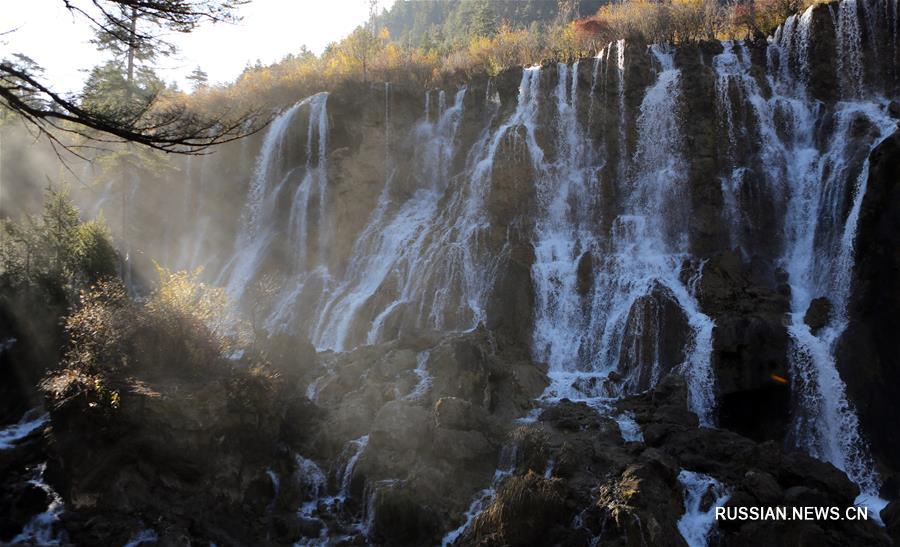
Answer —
434 413
576 479
190 459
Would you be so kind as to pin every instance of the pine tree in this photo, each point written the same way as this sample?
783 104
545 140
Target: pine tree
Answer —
198 78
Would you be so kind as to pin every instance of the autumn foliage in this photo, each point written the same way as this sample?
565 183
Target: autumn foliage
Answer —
368 55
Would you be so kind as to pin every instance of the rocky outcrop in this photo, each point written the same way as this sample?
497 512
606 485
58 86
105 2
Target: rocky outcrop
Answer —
20 498
653 340
188 458
434 412
572 466
748 303
869 354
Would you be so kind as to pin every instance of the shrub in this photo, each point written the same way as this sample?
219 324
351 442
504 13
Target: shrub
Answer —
184 328
188 324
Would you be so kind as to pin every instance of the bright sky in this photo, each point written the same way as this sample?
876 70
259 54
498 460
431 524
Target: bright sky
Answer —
270 29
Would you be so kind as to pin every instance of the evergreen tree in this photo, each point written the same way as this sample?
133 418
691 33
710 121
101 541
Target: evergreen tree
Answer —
132 39
108 90
198 78
132 31
483 20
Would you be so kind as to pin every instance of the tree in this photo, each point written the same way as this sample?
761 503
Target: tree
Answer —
170 127
109 90
361 46
55 252
198 78
129 43
483 21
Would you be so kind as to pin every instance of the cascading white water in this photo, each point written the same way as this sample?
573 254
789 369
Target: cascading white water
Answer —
620 71
321 507
484 498
816 175
31 421
563 235
354 450
270 178
398 246
423 377
697 521
40 529
629 428
849 50
645 251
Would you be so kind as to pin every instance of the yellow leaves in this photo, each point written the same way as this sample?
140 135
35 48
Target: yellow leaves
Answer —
371 55
182 294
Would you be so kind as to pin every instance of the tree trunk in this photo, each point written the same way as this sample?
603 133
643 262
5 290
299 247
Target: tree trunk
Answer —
132 31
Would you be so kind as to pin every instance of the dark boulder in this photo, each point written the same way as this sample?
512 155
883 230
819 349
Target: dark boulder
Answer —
868 353
817 314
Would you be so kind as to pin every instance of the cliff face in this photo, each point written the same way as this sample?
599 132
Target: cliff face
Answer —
868 348
631 212
569 296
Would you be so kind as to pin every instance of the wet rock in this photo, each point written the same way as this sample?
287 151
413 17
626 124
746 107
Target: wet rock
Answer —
456 413
191 455
289 529
511 299
400 426
762 487
867 355
823 73
401 518
585 273
817 314
461 446
290 354
750 344
654 339
894 109
644 501
512 194
890 515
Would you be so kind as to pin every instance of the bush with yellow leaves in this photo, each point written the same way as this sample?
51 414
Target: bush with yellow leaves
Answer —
184 328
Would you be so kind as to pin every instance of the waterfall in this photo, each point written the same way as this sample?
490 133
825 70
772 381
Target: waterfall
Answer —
40 529
484 498
272 174
629 428
818 259
823 190
849 50
697 522
31 421
423 377
563 235
352 452
603 302
402 245
620 71
320 507
643 257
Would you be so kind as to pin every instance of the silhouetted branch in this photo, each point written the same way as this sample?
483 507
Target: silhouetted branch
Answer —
166 127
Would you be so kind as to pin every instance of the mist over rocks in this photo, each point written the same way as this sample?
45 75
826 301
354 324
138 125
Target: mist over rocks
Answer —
517 312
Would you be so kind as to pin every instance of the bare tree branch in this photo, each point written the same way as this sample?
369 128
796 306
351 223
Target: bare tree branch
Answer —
167 127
